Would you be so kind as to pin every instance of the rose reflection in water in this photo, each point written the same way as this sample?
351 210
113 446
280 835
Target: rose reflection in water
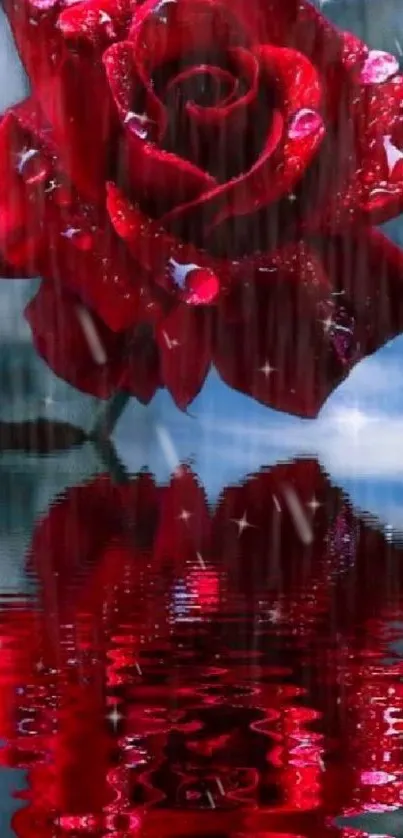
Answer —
189 672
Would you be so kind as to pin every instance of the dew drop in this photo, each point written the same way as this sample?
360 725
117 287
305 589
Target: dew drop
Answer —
139 123
202 287
179 272
32 166
393 154
161 10
304 122
81 238
376 778
378 67
197 285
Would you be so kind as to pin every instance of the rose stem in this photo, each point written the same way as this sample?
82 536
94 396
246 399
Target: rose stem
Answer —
108 416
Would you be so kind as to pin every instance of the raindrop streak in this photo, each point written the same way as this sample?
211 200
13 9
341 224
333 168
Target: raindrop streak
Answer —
92 336
297 512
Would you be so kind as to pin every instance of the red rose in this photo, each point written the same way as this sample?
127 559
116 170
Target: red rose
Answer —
195 181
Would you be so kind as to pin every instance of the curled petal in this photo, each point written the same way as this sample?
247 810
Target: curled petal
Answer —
179 268
184 340
296 79
161 177
167 25
240 196
164 30
289 148
211 130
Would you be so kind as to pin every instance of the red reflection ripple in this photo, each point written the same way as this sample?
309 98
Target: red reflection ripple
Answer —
181 673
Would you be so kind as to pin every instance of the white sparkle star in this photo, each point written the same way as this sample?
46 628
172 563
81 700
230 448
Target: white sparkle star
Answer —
220 786
185 515
328 324
52 185
242 523
70 232
266 369
314 504
274 614
114 717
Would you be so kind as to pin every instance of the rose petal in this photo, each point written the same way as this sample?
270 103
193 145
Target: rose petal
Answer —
184 340
83 121
79 348
78 113
162 30
287 153
21 224
66 343
162 178
260 21
368 269
361 174
248 191
97 21
378 67
46 229
179 268
293 368
211 130
295 77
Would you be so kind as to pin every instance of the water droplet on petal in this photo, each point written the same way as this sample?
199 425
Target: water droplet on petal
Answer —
378 67
197 285
305 122
202 287
81 238
179 272
376 778
393 154
139 123
32 166
44 5
161 10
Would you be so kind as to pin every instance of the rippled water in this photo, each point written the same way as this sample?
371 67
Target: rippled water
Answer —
174 669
